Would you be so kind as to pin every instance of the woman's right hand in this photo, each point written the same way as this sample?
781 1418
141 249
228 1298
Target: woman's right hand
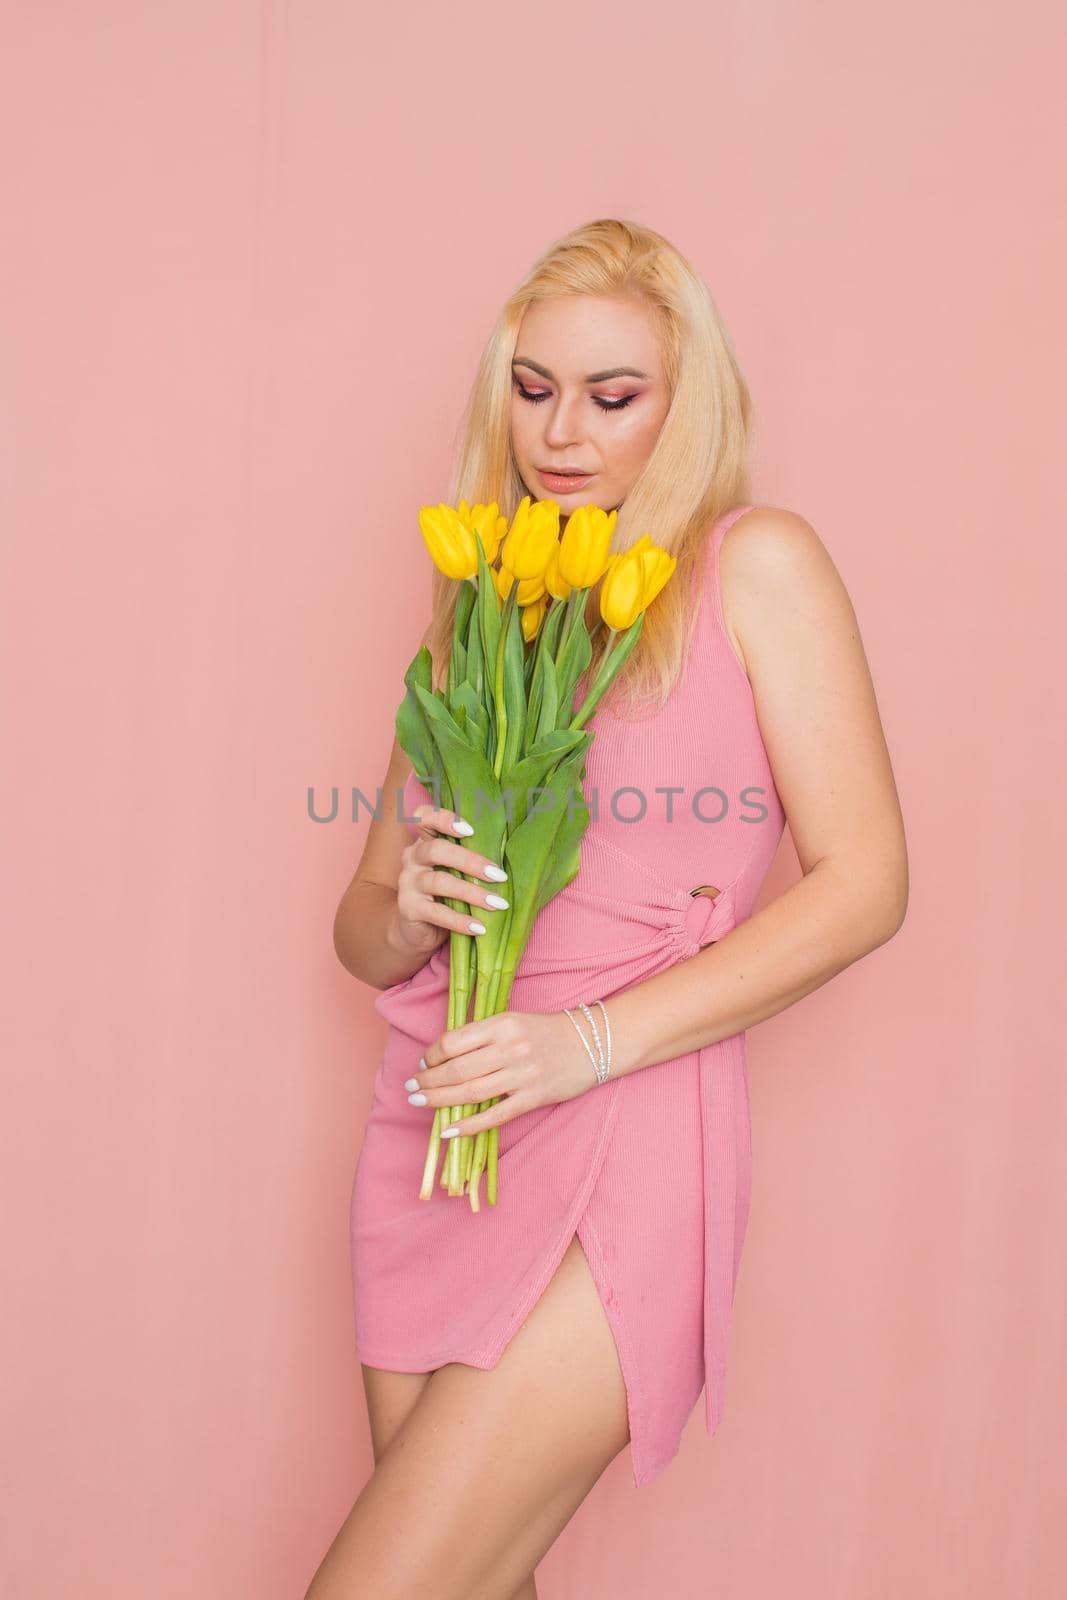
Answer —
423 921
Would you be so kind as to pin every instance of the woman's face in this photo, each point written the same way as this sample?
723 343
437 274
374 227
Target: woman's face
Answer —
588 391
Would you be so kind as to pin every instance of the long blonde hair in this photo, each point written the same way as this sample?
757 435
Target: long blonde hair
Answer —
697 470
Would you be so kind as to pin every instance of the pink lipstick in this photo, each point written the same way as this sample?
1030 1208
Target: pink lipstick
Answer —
565 482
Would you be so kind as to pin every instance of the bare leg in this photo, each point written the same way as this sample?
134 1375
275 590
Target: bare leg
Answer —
487 1467
391 1397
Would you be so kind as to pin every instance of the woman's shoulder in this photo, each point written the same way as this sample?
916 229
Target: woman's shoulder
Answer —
770 556
769 536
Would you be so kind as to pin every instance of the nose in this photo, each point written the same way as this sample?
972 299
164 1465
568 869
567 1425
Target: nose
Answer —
562 427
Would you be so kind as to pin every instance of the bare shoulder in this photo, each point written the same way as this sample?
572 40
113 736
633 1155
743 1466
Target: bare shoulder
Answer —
772 562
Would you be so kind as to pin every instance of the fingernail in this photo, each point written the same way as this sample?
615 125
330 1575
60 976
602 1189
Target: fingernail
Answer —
477 927
496 900
462 827
416 1099
497 874
449 1133
422 1063
411 1083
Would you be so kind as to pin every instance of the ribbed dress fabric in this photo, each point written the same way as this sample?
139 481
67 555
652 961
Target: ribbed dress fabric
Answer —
651 1169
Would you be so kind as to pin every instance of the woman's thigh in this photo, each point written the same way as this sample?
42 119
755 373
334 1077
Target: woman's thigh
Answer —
391 1398
488 1466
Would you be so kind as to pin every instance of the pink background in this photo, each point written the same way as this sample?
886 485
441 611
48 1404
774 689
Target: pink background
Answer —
250 255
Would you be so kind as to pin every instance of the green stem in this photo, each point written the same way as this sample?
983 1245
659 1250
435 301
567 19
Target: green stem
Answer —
433 1150
554 603
498 679
600 687
485 1154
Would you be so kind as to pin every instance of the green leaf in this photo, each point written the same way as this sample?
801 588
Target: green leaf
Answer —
412 728
488 622
609 670
572 658
475 722
548 712
514 689
540 769
543 852
474 787
466 596
565 859
475 673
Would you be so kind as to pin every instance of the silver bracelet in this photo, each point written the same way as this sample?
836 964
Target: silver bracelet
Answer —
607 1031
585 1043
589 1017
601 1062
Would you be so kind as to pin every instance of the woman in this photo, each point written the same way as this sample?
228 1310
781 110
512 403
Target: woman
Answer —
510 1354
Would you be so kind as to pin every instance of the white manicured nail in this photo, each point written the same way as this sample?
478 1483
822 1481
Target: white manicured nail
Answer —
477 927
497 874
462 827
497 901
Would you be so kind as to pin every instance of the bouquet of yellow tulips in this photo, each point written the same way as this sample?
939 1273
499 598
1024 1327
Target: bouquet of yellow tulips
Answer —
503 744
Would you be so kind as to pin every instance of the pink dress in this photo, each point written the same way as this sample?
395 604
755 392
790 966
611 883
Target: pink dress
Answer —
652 1169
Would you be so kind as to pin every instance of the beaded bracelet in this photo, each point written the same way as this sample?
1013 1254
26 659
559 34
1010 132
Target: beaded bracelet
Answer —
601 1061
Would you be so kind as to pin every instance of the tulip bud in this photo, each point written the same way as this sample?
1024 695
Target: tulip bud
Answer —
449 540
532 538
485 522
555 583
632 582
532 618
585 544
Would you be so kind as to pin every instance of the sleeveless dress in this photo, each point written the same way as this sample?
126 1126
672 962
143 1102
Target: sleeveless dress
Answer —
652 1169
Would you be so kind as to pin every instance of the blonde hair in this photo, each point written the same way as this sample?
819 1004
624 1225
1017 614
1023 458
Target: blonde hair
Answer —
697 470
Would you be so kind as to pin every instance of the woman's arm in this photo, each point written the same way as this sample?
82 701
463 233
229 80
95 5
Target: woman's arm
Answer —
365 923
394 913
797 634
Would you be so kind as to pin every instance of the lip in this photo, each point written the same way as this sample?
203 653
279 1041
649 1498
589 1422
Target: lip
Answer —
556 479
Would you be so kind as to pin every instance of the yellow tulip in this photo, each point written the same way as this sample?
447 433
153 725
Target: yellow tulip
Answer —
450 541
657 566
584 545
621 591
555 582
528 590
532 538
532 618
632 582
487 523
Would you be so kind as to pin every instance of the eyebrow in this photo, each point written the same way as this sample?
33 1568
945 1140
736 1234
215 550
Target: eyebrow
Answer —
594 377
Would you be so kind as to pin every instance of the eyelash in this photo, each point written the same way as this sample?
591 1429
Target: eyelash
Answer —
605 405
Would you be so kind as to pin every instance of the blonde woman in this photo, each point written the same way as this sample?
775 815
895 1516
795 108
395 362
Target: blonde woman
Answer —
510 1354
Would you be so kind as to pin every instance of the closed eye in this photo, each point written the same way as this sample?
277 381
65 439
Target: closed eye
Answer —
605 405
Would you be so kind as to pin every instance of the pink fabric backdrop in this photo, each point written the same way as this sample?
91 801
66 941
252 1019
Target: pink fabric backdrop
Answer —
238 327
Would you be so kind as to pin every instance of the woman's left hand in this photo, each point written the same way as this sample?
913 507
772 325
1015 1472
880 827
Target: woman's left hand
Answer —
531 1058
